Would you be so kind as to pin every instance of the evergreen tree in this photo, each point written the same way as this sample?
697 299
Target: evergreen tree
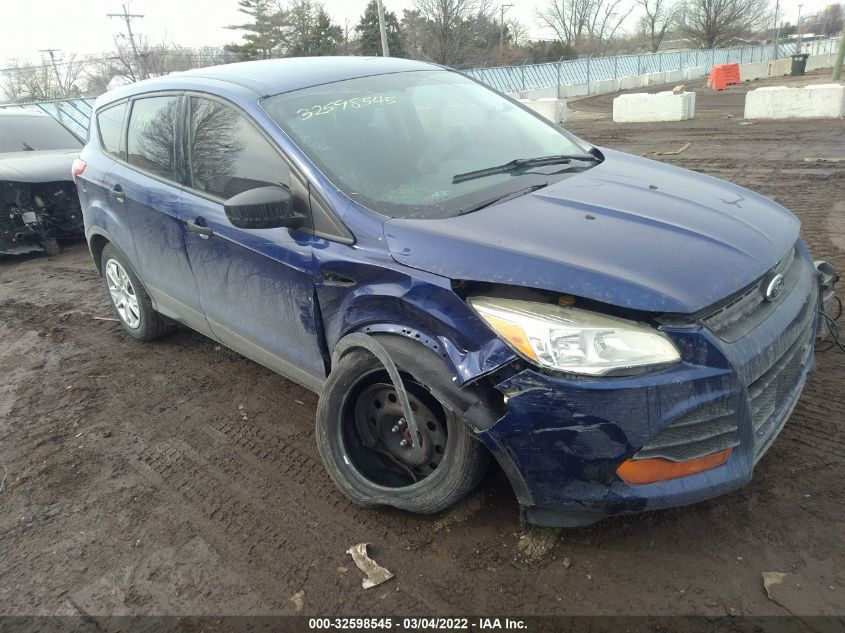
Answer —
369 35
323 37
263 35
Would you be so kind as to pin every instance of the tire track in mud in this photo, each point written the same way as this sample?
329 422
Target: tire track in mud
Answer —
239 510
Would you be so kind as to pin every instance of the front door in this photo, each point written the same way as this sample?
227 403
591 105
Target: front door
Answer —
147 193
256 286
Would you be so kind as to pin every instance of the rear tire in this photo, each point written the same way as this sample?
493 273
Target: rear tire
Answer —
129 298
363 456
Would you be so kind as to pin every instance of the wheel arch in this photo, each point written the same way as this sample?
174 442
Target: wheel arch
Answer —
97 241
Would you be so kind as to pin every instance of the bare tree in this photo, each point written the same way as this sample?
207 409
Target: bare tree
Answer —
40 82
517 31
581 22
455 31
716 22
659 14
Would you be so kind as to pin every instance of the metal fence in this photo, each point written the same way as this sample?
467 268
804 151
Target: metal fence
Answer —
585 70
73 113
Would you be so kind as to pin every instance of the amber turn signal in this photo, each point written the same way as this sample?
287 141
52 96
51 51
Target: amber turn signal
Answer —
649 471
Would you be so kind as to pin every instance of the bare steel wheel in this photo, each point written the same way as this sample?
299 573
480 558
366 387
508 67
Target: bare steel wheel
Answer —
123 294
366 446
380 443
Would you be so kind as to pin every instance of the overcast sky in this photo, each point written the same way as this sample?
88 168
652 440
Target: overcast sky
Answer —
81 26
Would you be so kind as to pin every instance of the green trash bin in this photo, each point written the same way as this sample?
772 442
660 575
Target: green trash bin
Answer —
799 64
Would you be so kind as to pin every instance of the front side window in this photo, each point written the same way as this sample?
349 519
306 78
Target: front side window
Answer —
227 154
110 124
151 138
395 142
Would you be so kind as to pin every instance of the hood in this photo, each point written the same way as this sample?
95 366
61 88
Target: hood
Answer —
629 232
37 166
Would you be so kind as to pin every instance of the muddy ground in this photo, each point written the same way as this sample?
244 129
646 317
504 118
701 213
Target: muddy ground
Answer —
180 478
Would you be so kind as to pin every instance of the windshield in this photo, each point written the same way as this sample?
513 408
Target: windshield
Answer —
395 142
24 133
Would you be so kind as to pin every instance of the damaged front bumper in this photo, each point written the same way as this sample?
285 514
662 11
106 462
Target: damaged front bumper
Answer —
563 438
35 215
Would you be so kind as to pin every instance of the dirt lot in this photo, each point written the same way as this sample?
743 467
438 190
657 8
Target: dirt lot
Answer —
180 478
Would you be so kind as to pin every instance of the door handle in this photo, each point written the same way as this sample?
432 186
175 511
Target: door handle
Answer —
202 230
117 193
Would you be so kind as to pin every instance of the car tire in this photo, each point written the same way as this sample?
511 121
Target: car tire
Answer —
136 314
461 465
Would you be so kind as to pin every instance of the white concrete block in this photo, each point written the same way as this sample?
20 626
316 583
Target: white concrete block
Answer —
603 87
815 62
780 67
553 109
750 72
645 107
819 101
654 79
674 75
627 83
694 73
573 90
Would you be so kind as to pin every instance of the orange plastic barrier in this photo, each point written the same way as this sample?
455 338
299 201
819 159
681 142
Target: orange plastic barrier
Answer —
731 74
717 79
723 75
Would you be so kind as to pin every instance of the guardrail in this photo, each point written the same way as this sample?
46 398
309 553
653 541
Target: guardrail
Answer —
514 79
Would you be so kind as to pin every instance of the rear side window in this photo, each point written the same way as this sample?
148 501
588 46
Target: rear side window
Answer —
227 154
151 138
110 124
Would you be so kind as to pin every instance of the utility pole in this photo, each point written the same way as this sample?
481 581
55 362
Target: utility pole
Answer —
127 17
385 51
776 28
798 45
502 10
51 52
840 55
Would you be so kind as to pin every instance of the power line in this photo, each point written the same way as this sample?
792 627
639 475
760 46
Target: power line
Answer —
51 52
128 17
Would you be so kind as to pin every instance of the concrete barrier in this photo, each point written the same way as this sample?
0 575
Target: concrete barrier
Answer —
780 67
815 62
646 108
553 109
820 101
750 72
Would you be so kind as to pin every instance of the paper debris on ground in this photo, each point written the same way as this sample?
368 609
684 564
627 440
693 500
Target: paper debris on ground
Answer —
376 574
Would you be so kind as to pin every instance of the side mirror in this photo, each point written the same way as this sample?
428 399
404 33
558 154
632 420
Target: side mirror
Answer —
263 208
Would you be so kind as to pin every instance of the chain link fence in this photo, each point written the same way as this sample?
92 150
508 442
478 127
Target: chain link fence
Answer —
578 71
74 113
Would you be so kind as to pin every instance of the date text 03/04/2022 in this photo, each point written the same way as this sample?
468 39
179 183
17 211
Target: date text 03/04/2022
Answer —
416 624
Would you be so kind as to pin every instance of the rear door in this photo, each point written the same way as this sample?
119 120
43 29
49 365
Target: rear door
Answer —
147 188
256 286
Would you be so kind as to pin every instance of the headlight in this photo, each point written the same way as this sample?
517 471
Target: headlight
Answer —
574 340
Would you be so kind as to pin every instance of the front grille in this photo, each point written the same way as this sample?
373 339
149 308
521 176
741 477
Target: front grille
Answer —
735 319
707 430
773 395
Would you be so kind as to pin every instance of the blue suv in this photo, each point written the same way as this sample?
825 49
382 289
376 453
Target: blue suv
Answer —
457 278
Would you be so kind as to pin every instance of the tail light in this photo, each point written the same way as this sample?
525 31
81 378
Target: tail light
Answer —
78 168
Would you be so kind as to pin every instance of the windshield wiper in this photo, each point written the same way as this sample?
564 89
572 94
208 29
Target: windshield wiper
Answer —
502 198
27 147
523 163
